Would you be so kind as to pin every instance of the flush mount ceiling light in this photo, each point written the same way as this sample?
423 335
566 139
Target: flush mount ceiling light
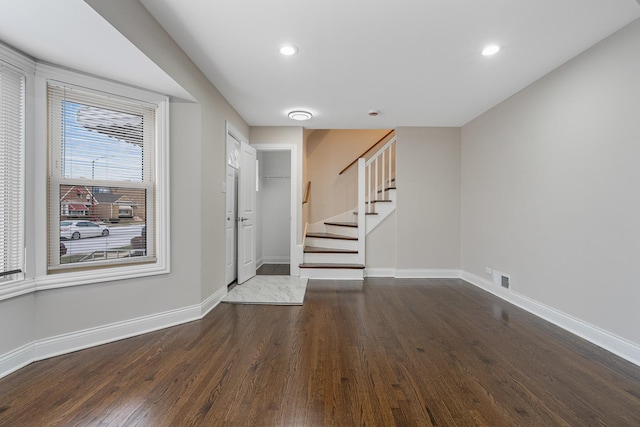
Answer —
288 50
300 115
491 49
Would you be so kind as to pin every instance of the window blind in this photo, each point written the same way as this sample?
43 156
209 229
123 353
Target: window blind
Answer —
102 179
101 138
12 142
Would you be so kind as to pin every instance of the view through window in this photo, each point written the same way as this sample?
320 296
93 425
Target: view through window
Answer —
101 180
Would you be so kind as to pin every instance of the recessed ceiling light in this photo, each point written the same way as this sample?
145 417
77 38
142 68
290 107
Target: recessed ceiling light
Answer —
300 115
288 50
492 49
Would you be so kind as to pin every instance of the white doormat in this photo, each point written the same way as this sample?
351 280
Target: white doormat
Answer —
275 290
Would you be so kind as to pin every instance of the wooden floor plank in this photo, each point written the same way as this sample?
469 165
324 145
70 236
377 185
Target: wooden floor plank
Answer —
273 270
428 352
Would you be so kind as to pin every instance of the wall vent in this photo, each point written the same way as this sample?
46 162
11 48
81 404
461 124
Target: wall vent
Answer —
504 281
501 279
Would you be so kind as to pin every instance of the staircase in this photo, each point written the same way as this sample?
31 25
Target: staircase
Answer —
335 248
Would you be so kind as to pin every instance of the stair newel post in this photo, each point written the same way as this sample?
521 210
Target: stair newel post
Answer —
362 232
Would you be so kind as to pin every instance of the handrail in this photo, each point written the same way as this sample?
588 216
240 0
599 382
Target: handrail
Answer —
365 153
306 192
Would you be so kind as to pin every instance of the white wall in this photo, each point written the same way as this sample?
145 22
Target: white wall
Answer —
51 321
549 188
381 247
427 217
275 213
428 181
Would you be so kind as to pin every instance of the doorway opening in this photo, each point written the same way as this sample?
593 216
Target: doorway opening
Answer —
274 211
260 225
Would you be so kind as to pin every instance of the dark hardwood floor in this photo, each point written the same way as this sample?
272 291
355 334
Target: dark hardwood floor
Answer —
273 270
383 353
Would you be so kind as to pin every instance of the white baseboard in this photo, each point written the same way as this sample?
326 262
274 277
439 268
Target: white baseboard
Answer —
16 359
379 272
610 342
67 343
427 274
276 260
412 273
211 302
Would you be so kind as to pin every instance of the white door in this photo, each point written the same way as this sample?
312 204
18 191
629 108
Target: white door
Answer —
231 266
247 213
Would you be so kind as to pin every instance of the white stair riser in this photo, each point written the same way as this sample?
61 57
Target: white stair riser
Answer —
332 273
387 195
316 258
342 231
321 242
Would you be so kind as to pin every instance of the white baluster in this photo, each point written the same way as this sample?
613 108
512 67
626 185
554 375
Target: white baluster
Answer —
375 192
384 187
369 188
390 155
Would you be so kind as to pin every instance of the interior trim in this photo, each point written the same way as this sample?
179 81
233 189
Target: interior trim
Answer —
79 340
610 342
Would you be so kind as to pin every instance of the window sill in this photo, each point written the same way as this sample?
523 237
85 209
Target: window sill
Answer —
64 280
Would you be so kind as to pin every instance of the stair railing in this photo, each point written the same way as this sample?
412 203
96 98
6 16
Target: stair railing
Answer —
375 176
380 171
366 152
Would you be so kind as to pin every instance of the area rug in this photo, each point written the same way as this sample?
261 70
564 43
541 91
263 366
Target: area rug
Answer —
274 290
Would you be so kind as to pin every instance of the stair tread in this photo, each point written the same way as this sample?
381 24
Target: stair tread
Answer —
387 189
331 236
343 224
331 265
379 200
367 213
316 250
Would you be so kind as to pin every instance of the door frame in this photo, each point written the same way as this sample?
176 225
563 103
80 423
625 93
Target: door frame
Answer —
294 248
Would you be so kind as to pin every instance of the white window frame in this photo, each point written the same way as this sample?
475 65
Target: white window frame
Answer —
56 179
45 280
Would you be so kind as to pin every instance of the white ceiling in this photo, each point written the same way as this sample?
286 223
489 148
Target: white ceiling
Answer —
69 33
417 61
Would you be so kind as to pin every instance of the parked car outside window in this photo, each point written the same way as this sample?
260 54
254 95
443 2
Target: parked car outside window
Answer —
81 229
